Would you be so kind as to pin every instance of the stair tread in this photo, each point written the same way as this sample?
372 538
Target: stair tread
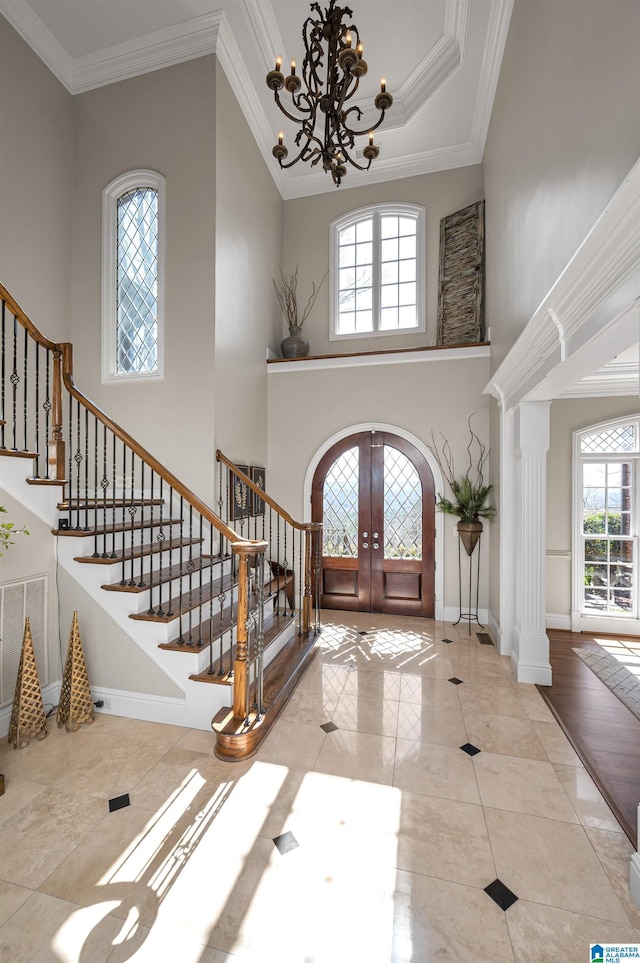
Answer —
91 503
46 481
166 574
150 548
117 528
274 625
14 453
185 602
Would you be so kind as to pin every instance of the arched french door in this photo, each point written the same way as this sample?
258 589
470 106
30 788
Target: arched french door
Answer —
374 494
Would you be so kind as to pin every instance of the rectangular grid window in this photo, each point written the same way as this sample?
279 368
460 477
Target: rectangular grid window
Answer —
609 547
398 293
378 274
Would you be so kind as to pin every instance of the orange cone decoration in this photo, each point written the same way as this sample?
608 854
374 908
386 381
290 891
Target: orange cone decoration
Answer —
28 718
76 702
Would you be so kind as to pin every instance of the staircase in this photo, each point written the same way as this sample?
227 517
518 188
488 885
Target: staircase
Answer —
231 616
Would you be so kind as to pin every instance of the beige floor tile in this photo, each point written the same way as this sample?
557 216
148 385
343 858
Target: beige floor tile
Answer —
152 733
471 669
178 768
357 755
312 706
503 734
545 933
431 724
586 798
499 700
18 793
444 838
436 919
292 744
551 862
532 702
11 898
140 944
556 745
374 685
109 766
33 844
522 785
361 714
424 690
65 933
435 771
614 852
197 740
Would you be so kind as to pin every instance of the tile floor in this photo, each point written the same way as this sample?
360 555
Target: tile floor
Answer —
386 832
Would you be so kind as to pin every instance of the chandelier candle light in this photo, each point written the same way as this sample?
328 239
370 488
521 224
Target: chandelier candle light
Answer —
345 66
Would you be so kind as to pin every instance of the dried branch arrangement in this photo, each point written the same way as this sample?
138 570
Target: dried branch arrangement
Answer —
287 294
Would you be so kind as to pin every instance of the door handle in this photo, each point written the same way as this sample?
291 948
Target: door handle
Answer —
365 545
375 534
366 535
375 545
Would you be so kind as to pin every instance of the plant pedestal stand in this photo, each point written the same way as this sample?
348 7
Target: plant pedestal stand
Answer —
472 586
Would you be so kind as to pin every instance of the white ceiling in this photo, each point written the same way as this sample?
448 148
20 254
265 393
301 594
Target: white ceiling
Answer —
440 58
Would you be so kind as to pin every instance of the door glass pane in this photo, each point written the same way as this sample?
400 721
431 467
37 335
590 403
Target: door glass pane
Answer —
340 506
402 507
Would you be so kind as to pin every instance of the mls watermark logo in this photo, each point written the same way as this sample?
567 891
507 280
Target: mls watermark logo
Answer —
614 952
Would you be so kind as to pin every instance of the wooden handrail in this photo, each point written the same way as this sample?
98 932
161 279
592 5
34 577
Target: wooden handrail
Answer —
260 492
64 350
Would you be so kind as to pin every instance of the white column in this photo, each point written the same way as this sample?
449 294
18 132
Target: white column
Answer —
530 652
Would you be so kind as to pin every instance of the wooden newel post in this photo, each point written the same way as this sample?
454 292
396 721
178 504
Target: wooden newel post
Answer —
56 444
307 601
241 664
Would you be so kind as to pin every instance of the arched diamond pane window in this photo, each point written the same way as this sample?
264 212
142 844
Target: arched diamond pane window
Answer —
340 506
137 282
402 507
132 277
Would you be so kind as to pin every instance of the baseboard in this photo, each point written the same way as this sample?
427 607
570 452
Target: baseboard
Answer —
558 621
140 705
634 879
451 613
50 697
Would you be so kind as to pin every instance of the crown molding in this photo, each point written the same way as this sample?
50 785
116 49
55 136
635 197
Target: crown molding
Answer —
32 30
615 380
263 29
497 30
162 48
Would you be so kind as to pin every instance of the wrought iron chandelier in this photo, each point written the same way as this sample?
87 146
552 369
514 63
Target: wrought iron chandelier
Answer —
344 65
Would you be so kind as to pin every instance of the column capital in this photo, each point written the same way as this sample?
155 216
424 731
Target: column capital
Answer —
532 427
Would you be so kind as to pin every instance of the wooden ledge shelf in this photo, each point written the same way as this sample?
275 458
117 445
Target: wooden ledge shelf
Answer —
441 352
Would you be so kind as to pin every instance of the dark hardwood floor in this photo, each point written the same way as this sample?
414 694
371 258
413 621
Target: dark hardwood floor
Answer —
604 733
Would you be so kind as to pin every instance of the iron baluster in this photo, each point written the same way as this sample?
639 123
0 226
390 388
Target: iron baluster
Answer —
151 519
123 580
300 582
141 581
180 563
70 475
318 539
210 595
113 500
15 381
278 568
260 636
133 511
160 537
46 403
37 411
104 484
170 599
78 461
190 567
25 408
200 599
86 469
95 485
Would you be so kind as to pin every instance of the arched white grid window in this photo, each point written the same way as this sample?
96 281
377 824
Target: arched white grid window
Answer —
377 267
606 487
132 277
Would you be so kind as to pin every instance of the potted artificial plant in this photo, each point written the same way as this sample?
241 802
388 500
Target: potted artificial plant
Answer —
295 346
7 531
471 497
